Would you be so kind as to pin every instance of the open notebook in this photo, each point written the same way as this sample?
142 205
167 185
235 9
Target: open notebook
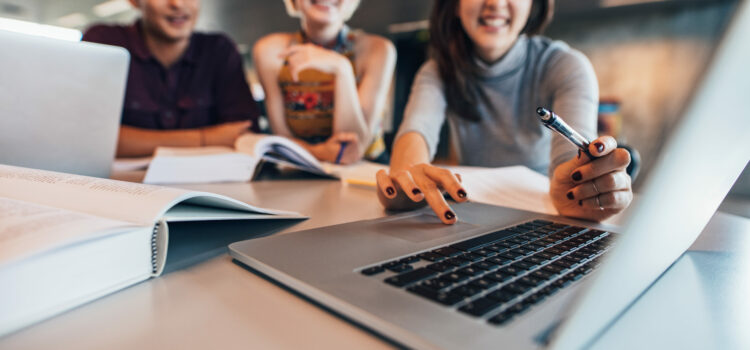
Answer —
68 239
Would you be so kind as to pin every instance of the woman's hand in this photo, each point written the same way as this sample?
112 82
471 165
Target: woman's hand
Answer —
593 189
224 134
410 188
309 56
329 150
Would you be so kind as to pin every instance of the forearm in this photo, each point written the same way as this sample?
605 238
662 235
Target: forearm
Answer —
348 115
409 149
137 142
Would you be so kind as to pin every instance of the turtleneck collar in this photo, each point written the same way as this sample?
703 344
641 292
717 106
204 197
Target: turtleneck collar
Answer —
506 65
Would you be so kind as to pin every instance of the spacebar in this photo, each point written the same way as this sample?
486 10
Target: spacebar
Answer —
478 242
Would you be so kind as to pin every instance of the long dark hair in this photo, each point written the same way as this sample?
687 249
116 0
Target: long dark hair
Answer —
452 48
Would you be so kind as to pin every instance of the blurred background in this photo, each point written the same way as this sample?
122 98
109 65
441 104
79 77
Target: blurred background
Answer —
647 54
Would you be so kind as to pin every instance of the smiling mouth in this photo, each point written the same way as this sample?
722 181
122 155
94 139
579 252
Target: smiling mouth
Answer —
178 20
494 22
325 3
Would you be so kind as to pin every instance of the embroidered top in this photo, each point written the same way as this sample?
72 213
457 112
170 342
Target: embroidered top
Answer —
309 102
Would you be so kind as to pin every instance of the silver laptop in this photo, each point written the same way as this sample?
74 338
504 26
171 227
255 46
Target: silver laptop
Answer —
503 277
60 103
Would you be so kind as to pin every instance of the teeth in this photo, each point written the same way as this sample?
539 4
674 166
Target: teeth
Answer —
496 22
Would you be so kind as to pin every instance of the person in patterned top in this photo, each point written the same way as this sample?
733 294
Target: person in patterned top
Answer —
326 85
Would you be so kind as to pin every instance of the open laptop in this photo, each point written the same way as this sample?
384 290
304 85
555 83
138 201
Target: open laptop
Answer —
60 103
514 279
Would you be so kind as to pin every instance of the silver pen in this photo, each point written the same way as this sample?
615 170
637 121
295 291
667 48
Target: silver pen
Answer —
553 122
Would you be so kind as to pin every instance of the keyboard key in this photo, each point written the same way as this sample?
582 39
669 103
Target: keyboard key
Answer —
430 256
521 265
498 276
410 277
530 281
502 296
440 267
542 274
511 270
486 265
457 262
409 259
400 268
467 290
373 270
448 252
499 260
480 306
470 271
454 277
517 288
448 299
497 248
471 257
436 284
484 252
481 241
483 283
501 318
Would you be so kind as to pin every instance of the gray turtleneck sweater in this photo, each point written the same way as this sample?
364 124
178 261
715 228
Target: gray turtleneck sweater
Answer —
535 72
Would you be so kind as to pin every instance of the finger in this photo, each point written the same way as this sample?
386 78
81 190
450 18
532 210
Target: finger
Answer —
445 179
618 159
616 200
385 184
435 199
406 182
614 181
602 146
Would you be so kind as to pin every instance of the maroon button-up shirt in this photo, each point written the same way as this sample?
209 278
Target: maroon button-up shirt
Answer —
206 86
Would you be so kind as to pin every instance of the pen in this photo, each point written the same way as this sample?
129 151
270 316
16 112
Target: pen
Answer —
553 122
341 152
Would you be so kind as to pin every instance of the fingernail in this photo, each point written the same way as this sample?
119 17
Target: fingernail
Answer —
580 203
390 191
599 146
461 193
449 215
416 192
570 195
577 176
579 154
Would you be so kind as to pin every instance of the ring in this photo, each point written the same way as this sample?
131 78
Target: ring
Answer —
599 203
595 189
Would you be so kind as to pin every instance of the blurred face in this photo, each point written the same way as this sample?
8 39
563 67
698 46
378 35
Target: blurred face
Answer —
326 11
170 20
493 25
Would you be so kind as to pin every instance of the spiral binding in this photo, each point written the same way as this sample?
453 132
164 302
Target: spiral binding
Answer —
154 249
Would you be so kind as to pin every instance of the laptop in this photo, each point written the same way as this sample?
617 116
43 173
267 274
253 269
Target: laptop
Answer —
60 103
516 279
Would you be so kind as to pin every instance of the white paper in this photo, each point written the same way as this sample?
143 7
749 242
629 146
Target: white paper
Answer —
516 187
130 164
207 168
27 229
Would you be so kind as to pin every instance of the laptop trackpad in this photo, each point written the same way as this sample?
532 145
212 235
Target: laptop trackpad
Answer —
421 228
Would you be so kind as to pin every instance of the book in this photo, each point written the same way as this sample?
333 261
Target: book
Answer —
68 239
179 165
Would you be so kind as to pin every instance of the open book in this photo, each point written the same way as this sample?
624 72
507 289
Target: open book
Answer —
68 239
173 165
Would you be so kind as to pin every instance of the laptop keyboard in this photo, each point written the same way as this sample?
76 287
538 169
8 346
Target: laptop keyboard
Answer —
499 275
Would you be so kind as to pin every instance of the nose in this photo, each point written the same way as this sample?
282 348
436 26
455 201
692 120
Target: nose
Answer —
176 3
496 3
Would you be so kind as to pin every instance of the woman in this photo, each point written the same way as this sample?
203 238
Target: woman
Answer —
326 85
487 78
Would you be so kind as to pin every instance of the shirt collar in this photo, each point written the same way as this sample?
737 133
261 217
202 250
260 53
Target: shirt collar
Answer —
141 51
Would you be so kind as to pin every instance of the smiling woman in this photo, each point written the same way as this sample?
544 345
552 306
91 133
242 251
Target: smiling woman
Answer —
488 75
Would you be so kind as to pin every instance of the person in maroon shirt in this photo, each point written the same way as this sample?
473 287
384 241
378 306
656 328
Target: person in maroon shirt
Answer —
184 88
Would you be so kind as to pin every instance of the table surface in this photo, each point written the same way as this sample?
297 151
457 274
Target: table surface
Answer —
219 304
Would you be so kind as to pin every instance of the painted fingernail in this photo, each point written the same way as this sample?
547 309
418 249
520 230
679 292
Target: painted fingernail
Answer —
390 191
579 154
461 193
449 215
577 176
599 146
580 203
570 195
416 192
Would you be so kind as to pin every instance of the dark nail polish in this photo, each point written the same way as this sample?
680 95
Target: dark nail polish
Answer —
390 191
599 146
449 215
579 154
416 192
570 195
577 176
580 203
461 194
